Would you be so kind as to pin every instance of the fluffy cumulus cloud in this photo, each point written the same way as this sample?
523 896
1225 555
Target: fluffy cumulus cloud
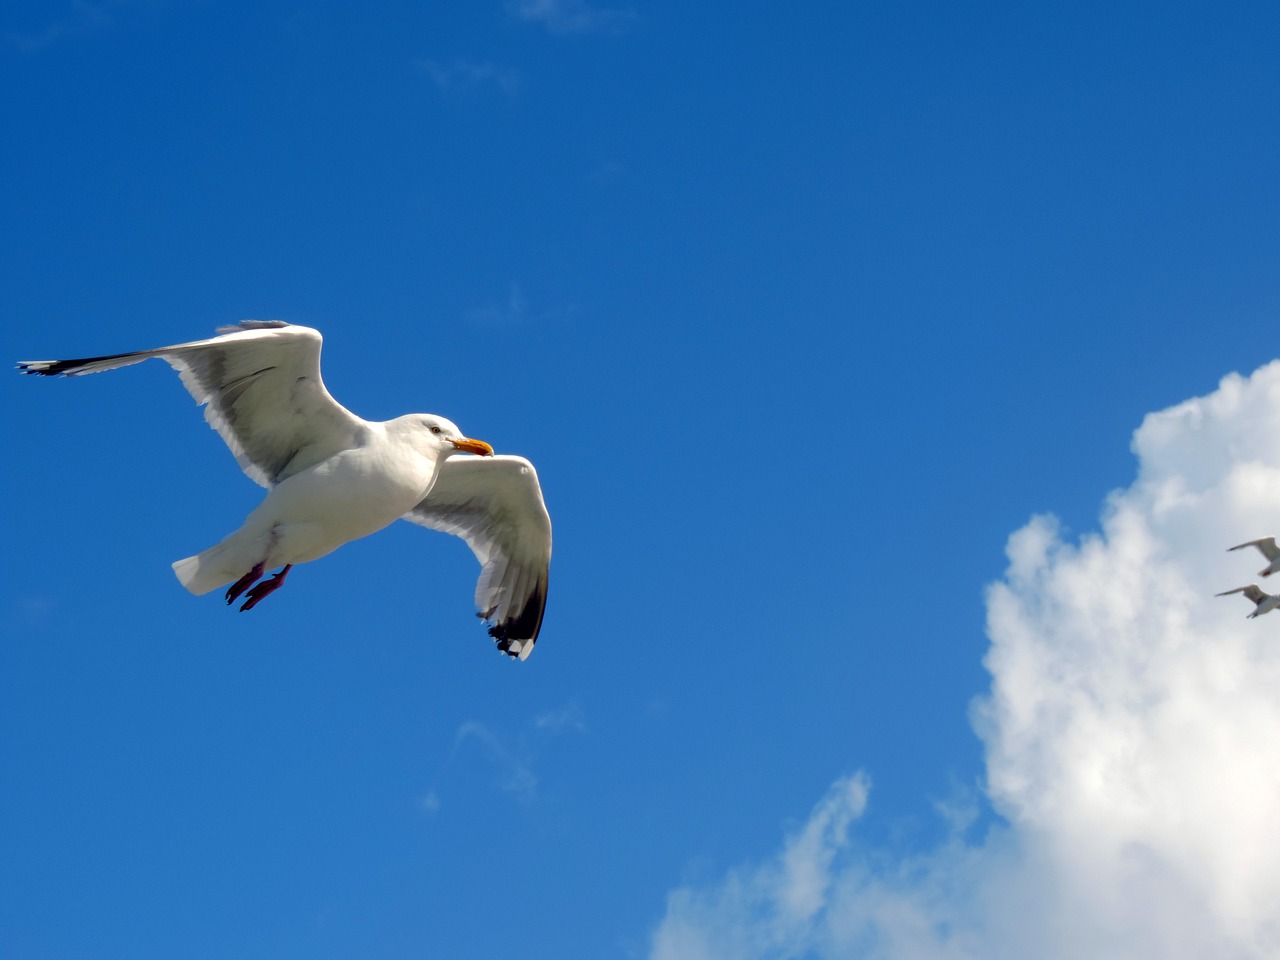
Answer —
1132 734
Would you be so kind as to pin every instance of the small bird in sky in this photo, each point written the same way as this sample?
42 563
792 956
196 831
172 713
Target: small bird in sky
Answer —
1265 602
1267 547
333 477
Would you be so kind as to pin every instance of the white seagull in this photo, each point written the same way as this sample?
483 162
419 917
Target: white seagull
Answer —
1267 547
333 477
1265 601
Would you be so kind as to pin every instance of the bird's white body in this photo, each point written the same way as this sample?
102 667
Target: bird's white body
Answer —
348 496
1268 548
333 477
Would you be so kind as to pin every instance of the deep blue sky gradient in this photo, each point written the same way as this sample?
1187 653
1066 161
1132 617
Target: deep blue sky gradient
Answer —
799 311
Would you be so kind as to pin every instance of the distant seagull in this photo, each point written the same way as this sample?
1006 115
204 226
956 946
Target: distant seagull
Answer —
1265 601
1267 547
333 477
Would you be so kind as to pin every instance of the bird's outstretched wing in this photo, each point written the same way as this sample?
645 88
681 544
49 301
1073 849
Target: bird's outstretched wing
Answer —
1252 591
261 387
495 505
1267 545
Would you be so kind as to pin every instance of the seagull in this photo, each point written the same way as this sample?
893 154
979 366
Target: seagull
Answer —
1266 602
333 477
1267 547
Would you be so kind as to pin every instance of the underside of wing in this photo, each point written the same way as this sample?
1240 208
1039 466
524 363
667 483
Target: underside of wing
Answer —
495 504
261 388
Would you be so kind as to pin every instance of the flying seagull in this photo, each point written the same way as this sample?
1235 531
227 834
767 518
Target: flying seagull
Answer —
1267 547
1265 601
333 477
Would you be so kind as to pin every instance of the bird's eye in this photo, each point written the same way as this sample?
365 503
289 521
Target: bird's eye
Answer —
436 430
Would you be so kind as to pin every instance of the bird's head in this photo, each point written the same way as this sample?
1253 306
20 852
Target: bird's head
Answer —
444 435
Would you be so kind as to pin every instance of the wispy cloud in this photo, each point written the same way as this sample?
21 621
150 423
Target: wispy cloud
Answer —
513 310
1132 734
465 74
572 16
510 311
566 719
511 754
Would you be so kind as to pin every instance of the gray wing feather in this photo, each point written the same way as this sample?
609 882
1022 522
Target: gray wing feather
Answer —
495 504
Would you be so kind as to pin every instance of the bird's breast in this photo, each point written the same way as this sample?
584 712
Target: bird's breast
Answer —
355 492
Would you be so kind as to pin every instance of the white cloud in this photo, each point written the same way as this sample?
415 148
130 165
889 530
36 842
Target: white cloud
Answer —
1132 733
571 16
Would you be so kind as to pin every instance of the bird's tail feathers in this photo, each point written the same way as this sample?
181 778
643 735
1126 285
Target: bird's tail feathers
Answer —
198 575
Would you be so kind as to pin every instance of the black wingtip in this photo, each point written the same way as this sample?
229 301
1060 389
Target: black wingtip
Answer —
522 630
512 646
69 368
46 368
505 642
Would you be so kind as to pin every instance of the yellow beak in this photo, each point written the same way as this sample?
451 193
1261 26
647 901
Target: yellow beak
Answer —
473 446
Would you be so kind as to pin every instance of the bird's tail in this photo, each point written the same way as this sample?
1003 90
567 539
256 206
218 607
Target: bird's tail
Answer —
198 574
224 562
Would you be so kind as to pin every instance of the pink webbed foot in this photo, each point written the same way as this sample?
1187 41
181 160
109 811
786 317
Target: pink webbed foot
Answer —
244 583
266 588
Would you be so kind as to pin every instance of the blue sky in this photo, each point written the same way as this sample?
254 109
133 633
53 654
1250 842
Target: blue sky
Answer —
802 312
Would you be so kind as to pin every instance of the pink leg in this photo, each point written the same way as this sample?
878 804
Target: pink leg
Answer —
244 583
266 588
